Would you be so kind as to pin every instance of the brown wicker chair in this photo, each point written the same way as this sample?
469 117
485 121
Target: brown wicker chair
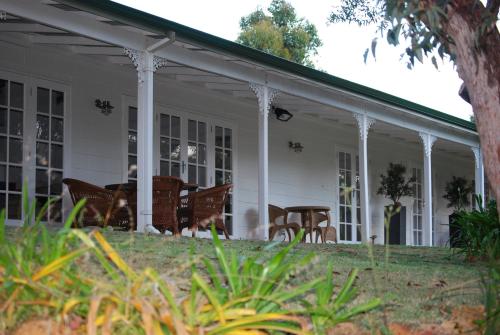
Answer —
326 233
276 212
103 207
203 208
166 193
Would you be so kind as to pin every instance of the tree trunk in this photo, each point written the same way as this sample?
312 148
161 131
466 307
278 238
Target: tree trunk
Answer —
479 67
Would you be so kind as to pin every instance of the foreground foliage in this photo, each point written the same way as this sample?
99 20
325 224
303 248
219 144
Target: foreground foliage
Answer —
39 276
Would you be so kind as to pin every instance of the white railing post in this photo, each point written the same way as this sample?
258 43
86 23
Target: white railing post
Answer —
146 64
479 174
427 141
364 124
265 97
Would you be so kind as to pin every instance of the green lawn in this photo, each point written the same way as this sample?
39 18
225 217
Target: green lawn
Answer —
418 285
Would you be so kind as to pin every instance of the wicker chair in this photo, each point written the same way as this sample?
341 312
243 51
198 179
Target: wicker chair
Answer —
327 233
103 207
203 208
166 193
275 213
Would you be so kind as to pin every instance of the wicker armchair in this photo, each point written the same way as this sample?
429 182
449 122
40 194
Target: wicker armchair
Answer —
326 233
166 193
103 207
276 212
203 208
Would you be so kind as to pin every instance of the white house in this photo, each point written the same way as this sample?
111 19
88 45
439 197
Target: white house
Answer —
190 104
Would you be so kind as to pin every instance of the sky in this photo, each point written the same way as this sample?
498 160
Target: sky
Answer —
341 54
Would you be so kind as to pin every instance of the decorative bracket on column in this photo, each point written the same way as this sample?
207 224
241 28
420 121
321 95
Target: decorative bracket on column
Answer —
428 141
265 96
477 156
364 124
142 62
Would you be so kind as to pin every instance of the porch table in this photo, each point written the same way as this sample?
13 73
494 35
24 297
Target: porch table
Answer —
307 215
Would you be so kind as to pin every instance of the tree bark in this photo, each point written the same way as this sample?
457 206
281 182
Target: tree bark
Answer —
478 65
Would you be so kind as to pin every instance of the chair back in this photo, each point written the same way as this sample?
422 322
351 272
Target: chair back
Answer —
166 193
276 212
208 205
102 207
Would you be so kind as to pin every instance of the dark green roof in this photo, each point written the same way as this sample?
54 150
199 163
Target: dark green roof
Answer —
146 21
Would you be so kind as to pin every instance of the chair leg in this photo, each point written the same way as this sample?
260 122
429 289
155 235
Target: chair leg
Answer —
289 235
226 233
193 230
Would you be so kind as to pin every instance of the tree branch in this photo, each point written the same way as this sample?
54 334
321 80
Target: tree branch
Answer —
493 6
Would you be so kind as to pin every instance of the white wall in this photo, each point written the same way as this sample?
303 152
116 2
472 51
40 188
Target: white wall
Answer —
306 178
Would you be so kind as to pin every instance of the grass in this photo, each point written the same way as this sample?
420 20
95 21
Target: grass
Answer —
418 285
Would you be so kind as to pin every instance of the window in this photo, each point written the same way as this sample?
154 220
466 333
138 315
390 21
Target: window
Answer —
170 145
224 168
417 207
349 198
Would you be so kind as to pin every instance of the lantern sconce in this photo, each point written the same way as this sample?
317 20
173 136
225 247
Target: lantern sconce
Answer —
296 146
105 106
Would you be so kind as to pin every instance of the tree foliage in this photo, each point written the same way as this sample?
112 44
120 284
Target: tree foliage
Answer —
394 185
282 34
457 192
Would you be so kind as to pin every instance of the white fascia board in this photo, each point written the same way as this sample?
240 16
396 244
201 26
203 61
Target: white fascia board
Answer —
72 22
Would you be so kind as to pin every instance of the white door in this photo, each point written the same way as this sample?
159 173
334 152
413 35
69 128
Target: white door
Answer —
32 144
417 219
349 216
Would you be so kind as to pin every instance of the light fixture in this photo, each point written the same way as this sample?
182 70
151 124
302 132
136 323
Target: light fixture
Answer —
281 114
104 105
296 146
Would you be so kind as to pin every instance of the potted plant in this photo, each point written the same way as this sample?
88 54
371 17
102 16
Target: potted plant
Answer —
394 186
457 192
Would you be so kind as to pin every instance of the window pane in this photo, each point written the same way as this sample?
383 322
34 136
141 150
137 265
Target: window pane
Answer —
3 92
132 167
16 123
229 204
348 215
132 142
202 176
218 158
176 127
202 154
42 181
3 177
228 160
56 156
218 178
341 160
57 103
348 161
348 232
3 149
16 95
175 152
42 100
40 202
57 129
342 232
192 152
228 178
342 214
192 173
55 211
218 136
132 118
164 148
228 222
3 120
42 127
202 132
228 137
15 178
2 201
164 125
191 130
176 170
56 183
15 151
14 206
164 171
42 154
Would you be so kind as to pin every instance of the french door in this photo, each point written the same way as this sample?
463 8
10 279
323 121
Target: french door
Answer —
198 150
417 218
349 213
32 142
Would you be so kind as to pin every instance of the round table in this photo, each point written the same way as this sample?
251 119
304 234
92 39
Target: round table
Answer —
307 215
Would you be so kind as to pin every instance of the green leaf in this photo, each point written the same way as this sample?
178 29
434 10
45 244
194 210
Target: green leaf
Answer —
374 46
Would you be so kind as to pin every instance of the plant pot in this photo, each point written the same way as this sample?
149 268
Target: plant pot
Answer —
454 230
397 228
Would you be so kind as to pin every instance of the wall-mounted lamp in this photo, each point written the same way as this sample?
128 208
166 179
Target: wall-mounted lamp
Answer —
104 105
296 146
281 114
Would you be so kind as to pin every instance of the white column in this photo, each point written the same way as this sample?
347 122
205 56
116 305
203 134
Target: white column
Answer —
427 140
265 97
479 173
146 64
364 124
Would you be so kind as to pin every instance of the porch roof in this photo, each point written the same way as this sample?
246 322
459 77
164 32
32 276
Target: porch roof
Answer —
130 16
